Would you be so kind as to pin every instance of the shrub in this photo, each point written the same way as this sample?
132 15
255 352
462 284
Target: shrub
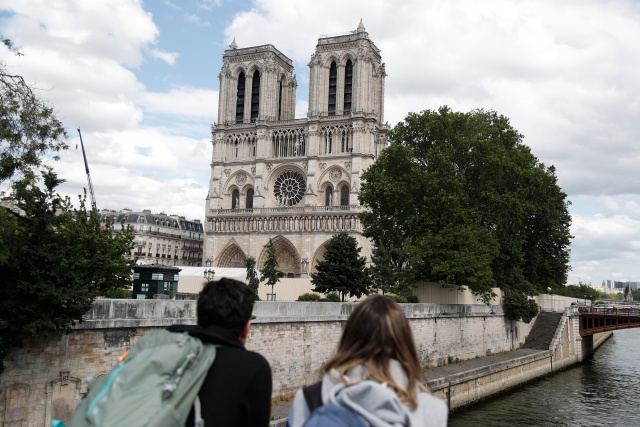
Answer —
310 296
332 297
413 299
518 306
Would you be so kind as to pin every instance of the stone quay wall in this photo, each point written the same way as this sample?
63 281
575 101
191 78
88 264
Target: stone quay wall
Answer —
45 379
567 348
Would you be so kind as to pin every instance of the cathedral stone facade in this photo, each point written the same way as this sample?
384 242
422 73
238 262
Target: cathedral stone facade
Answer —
294 181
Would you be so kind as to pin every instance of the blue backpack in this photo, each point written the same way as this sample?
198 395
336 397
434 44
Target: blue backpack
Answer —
328 415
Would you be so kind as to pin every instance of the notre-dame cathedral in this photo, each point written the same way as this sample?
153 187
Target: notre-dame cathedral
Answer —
294 181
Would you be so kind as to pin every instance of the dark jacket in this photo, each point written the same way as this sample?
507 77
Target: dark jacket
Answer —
237 390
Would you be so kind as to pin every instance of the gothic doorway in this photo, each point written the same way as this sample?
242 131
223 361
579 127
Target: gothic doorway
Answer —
287 256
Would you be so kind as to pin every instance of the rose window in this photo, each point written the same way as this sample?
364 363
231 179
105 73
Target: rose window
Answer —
289 188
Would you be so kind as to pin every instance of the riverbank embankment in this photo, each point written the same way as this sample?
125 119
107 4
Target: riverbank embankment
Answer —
470 381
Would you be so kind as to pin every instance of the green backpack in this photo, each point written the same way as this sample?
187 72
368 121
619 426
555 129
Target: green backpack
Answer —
155 385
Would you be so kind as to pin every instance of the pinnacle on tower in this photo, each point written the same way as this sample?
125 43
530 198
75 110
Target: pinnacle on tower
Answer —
360 28
233 44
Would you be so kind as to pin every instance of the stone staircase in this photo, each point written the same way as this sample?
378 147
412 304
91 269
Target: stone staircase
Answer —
543 331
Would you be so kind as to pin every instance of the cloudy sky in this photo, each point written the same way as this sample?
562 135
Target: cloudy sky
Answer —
140 79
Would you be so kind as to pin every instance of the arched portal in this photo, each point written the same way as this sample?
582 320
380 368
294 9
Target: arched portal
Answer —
287 256
232 257
318 256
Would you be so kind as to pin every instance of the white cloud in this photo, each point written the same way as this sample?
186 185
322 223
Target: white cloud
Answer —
141 169
209 5
168 57
183 101
196 19
103 29
565 73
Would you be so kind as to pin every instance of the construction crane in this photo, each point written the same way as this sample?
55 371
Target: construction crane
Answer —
86 168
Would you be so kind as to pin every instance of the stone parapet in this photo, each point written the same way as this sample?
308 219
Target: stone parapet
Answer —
47 377
127 313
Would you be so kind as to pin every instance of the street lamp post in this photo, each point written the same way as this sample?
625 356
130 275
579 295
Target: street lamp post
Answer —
209 274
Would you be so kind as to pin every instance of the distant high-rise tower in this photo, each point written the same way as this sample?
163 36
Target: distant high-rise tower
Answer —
294 181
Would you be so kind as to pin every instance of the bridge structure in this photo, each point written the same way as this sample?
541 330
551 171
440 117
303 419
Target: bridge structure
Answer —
608 318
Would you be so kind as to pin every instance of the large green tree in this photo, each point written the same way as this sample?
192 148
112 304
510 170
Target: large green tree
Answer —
270 273
253 281
342 269
57 261
463 202
29 129
54 259
388 272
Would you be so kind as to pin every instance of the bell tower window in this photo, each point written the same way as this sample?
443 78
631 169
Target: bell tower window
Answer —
240 99
348 87
235 199
344 196
333 79
328 195
255 95
280 100
249 204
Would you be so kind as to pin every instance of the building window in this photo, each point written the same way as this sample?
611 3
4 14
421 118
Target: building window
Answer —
333 79
336 139
255 95
235 199
289 188
348 86
289 142
249 203
240 99
344 196
144 287
328 195
280 100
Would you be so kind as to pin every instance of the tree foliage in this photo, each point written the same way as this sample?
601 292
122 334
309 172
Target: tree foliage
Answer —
270 274
252 277
458 199
342 270
54 259
518 306
57 261
388 273
581 291
29 128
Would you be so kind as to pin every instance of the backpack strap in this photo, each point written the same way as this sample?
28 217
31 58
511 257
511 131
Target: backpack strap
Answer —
313 395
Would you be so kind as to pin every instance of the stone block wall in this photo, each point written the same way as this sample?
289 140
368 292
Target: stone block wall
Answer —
44 380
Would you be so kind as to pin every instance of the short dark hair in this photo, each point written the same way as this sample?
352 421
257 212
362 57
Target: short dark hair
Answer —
227 303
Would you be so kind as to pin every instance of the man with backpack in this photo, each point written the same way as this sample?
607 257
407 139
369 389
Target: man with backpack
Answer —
201 374
237 389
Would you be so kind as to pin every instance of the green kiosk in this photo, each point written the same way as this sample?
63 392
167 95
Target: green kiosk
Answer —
154 281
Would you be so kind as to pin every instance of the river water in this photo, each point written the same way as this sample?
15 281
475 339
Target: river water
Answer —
602 391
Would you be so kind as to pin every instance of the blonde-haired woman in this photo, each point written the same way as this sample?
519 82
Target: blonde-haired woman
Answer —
375 373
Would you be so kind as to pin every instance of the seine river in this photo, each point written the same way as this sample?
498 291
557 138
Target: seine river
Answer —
603 391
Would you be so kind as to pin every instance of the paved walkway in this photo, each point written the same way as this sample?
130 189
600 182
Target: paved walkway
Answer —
281 410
